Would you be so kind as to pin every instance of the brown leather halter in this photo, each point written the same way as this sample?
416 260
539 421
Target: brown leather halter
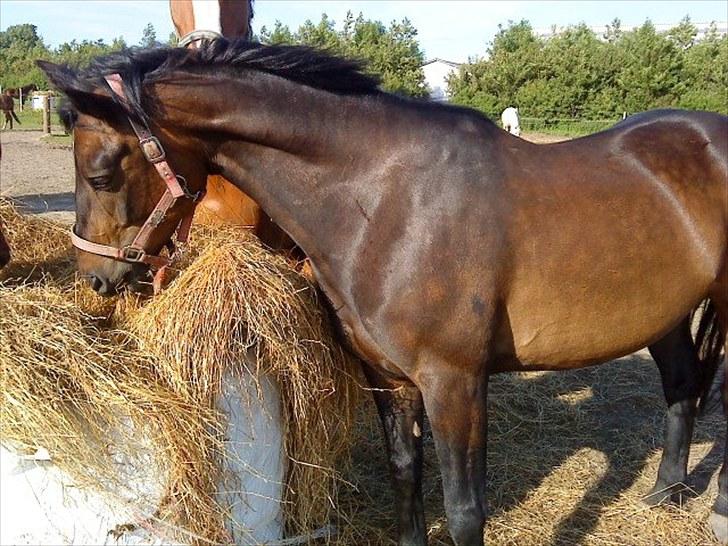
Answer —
176 189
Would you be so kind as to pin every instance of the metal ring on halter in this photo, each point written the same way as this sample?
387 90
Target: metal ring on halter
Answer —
198 35
194 197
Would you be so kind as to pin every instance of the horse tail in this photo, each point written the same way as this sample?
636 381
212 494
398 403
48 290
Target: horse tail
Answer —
12 113
709 340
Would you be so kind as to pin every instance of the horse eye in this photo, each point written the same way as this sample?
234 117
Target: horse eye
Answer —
100 182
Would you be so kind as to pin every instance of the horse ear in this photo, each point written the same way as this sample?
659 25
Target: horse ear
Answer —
82 94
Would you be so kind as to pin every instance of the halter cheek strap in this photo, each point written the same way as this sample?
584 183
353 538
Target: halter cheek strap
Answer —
176 188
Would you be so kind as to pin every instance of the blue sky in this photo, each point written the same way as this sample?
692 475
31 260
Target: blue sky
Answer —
449 29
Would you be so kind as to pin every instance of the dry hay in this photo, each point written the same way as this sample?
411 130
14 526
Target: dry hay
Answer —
67 384
570 456
237 305
74 366
40 248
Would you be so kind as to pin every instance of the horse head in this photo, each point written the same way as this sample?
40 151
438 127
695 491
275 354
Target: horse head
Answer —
118 182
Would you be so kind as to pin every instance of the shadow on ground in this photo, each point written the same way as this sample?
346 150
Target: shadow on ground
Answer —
576 440
45 202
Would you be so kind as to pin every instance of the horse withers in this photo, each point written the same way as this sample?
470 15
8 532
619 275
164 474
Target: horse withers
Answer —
449 250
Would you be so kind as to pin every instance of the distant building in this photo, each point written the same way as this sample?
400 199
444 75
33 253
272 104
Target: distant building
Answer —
600 30
436 74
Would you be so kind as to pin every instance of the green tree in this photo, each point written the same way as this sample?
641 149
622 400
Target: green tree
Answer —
20 45
650 77
393 52
705 74
514 60
321 35
80 54
280 34
683 35
614 31
573 73
149 36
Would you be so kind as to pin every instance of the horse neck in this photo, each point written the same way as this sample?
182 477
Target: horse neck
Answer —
312 159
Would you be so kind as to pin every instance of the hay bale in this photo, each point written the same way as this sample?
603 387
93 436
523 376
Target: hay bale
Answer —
72 369
236 306
41 249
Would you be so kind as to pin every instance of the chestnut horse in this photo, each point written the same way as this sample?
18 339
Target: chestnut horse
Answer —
196 20
449 249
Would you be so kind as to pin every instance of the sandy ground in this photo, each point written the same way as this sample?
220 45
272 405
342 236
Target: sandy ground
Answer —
37 175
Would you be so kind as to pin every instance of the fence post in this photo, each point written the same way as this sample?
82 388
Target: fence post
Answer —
46 114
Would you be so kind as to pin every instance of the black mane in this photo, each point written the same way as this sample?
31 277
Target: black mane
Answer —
300 64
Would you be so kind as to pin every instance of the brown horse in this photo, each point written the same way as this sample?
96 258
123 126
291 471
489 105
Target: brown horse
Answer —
7 105
448 249
224 203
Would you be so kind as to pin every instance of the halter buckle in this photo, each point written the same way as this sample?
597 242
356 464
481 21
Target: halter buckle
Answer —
133 254
152 149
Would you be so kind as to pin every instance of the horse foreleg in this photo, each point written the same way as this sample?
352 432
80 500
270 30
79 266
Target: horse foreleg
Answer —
456 407
401 412
677 360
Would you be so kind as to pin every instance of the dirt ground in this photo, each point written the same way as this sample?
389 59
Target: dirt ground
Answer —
570 454
37 175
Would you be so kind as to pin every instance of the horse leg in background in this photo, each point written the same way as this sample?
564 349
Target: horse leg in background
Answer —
719 517
401 412
677 359
455 402
5 121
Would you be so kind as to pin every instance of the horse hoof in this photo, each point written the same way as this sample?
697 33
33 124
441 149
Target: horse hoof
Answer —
719 523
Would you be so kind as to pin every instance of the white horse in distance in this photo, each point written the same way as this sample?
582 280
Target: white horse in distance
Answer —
510 121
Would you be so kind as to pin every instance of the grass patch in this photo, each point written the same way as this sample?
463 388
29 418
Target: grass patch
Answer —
31 119
565 127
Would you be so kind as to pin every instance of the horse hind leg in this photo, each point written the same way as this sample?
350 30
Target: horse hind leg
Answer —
719 517
677 359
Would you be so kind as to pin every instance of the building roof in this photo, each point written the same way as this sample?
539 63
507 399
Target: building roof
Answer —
437 59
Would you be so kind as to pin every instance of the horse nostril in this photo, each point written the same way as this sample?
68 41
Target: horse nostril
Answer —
102 285
95 283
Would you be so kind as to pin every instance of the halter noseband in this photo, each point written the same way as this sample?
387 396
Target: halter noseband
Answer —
176 189
198 36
